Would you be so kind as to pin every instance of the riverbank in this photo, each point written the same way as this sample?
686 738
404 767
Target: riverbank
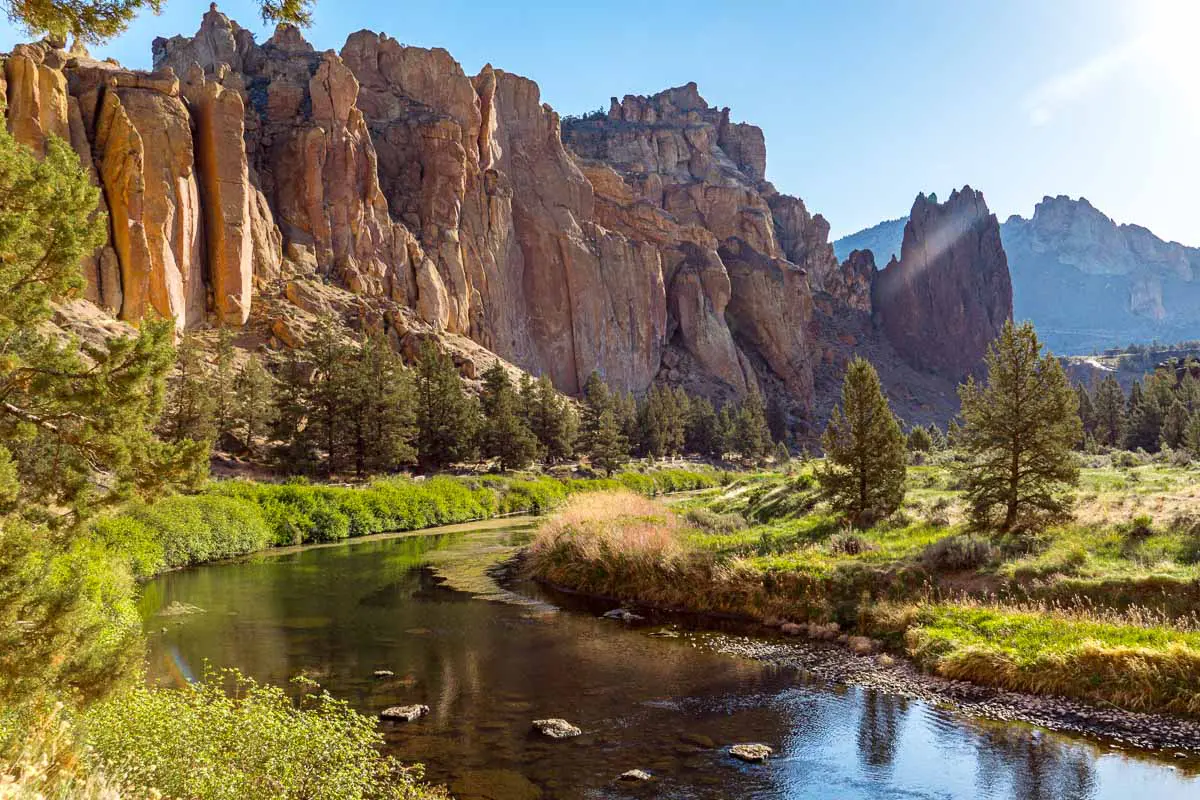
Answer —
959 607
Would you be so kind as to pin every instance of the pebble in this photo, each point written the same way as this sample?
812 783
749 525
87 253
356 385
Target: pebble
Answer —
900 677
556 728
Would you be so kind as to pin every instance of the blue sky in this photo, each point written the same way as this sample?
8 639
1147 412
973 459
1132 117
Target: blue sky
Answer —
864 103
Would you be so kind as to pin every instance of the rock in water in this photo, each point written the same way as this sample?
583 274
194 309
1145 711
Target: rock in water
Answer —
384 673
404 713
556 728
623 614
635 776
752 753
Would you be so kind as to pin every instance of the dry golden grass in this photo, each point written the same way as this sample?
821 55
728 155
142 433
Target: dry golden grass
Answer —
620 522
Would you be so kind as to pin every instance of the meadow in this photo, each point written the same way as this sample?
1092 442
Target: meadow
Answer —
1100 605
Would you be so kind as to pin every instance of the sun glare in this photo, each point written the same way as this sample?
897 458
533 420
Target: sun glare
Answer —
1171 36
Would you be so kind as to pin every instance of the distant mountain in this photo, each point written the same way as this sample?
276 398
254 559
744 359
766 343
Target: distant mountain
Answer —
1085 281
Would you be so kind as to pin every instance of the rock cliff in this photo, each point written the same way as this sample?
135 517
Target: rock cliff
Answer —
947 297
264 184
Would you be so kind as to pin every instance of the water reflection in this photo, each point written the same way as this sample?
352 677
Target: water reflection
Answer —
667 705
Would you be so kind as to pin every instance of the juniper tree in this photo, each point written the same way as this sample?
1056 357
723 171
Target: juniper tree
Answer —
329 355
919 440
1109 411
190 413
1019 432
751 435
864 470
1145 424
1175 424
504 434
378 408
552 421
607 448
253 403
596 399
702 433
447 419
221 384
296 451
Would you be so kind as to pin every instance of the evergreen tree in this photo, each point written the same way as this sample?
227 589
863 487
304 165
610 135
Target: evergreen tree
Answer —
1087 412
608 449
1145 424
702 433
253 406
1175 424
221 384
777 420
596 399
296 451
1192 439
1109 412
661 425
378 408
329 354
552 420
752 437
1020 429
864 471
726 429
190 408
505 436
446 418
919 440
626 414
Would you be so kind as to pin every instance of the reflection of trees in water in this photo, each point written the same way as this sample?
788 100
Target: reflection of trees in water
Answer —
879 728
1042 768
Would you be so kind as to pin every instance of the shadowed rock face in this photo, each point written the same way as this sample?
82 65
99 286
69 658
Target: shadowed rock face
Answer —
949 295
644 243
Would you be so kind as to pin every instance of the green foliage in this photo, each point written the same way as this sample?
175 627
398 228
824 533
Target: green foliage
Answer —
864 471
702 433
191 407
504 434
378 418
446 418
1175 425
1109 413
253 404
919 440
1020 430
751 437
959 552
550 418
230 738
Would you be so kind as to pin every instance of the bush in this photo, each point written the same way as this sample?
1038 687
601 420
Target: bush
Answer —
712 522
253 743
849 543
956 553
1138 529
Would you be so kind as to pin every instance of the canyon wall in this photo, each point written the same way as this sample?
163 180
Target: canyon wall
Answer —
249 182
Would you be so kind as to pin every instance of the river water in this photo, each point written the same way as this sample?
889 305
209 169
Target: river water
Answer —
656 697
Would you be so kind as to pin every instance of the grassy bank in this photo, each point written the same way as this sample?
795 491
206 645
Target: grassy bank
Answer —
232 518
1102 609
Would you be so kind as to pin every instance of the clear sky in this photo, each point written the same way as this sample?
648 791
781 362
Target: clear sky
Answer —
864 102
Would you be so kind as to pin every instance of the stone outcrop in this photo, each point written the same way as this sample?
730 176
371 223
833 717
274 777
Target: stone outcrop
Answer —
269 183
949 295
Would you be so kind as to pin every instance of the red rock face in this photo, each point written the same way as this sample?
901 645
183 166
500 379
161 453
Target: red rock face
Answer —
949 295
644 243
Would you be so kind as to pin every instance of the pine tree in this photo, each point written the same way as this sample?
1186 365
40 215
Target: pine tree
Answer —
253 406
1019 433
329 354
607 449
378 408
596 399
504 436
864 471
552 421
625 410
1145 424
777 420
919 440
447 419
190 413
1175 424
751 436
1109 412
702 432
296 451
1192 439
1087 412
221 384
726 429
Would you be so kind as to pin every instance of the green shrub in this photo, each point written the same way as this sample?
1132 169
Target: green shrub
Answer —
954 553
711 522
253 743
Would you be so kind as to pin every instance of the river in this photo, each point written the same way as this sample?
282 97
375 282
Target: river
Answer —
658 697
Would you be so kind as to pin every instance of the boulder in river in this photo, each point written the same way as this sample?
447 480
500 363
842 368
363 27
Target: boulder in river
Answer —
752 753
623 614
556 728
404 713
635 776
